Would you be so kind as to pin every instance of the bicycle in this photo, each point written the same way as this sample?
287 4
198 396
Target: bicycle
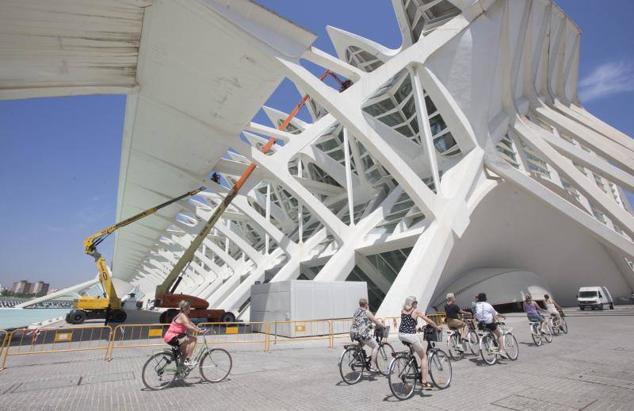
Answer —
163 368
455 345
540 333
489 348
404 373
472 337
354 360
558 324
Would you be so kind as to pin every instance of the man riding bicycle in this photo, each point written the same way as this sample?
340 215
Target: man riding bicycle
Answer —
362 319
486 316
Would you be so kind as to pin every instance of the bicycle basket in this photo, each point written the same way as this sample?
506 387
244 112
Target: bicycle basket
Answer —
382 332
432 335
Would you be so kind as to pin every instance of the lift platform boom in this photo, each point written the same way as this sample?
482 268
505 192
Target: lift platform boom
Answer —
108 306
165 295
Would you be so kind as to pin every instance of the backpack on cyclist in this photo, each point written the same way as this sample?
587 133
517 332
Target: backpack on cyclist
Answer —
359 330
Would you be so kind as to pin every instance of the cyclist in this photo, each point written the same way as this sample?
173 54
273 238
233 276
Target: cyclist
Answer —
533 311
552 307
177 333
407 333
454 322
360 329
486 316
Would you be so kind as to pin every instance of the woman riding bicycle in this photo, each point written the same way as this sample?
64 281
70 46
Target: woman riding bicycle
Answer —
407 333
177 335
552 307
533 311
454 322
360 329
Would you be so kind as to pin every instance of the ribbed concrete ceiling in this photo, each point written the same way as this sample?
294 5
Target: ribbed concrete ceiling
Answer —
195 71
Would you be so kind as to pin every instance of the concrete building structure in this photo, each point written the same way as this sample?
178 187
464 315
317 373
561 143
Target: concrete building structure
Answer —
21 287
40 287
461 161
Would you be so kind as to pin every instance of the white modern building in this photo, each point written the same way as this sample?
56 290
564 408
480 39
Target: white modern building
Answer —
462 161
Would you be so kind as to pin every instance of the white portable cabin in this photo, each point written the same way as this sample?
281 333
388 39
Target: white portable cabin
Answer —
293 306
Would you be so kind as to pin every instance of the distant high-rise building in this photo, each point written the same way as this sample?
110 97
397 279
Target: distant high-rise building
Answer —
21 287
40 287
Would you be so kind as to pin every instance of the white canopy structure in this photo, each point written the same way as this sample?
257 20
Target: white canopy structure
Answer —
465 149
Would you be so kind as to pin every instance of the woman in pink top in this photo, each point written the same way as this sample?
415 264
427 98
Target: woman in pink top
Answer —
176 334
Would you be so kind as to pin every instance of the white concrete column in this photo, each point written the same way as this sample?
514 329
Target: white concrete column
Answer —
346 153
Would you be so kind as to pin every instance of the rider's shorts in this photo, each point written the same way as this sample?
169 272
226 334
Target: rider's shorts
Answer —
535 318
177 340
454 323
370 342
491 327
413 339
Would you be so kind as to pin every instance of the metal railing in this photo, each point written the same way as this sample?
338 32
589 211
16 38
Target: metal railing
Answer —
55 340
5 338
124 336
136 336
289 331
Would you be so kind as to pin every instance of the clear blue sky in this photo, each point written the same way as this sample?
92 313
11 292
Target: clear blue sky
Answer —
60 156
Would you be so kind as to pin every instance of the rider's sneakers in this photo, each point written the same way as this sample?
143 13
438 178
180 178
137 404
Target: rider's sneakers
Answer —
503 354
190 364
375 370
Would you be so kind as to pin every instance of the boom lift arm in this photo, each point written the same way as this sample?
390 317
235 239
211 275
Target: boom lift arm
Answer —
99 307
165 292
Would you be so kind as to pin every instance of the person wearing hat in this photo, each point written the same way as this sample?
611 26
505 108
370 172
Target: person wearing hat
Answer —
407 333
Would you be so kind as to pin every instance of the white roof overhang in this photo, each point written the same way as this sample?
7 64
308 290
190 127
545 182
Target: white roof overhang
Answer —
195 71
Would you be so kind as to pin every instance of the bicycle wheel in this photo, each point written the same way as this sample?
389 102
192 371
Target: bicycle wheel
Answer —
554 326
159 371
440 368
474 342
454 346
403 376
548 333
511 347
563 325
487 349
351 366
384 357
537 336
215 365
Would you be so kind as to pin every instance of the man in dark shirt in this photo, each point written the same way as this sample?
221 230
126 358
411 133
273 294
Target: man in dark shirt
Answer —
453 311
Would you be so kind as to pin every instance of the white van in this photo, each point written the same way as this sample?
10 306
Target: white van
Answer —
594 298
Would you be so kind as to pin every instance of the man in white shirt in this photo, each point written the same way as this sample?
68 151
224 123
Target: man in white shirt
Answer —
486 315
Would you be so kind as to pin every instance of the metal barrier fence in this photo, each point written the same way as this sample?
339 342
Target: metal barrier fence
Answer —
136 336
295 331
47 341
5 337
238 333
149 335
56 340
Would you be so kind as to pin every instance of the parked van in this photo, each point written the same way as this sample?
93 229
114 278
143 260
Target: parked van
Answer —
594 298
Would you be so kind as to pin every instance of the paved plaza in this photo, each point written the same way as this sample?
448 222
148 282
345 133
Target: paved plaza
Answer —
591 368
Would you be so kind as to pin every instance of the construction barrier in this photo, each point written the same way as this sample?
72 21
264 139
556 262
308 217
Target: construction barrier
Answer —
150 335
296 331
106 338
257 333
55 340
4 337
136 336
